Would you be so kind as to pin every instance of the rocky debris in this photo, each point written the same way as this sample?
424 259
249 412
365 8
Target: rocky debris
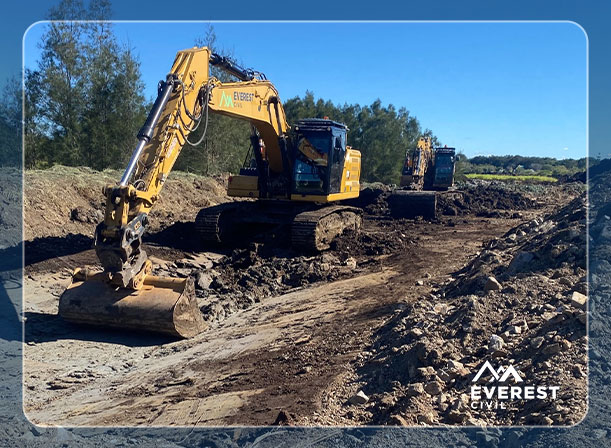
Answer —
492 284
578 300
506 306
226 284
86 215
359 398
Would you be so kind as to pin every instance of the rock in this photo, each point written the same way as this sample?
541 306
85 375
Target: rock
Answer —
578 300
350 262
547 421
415 389
204 280
520 262
426 371
454 365
416 332
329 258
184 272
433 387
551 349
419 283
496 342
578 371
565 281
536 342
359 398
498 354
492 284
427 418
456 416
565 344
514 329
397 420
84 215
441 308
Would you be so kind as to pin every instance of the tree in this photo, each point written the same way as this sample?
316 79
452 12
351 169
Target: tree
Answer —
84 101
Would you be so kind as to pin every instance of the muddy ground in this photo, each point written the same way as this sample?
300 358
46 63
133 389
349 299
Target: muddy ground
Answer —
293 338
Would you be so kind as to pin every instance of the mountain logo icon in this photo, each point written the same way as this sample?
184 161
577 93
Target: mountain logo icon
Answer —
500 375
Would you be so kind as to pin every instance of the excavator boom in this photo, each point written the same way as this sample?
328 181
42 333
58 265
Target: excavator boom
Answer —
125 294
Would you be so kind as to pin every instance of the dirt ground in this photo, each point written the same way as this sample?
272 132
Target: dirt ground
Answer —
293 338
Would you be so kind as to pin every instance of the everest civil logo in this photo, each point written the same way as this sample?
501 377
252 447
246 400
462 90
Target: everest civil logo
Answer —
500 375
496 394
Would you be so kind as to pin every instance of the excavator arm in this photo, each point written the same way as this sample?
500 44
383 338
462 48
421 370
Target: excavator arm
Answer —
125 294
183 102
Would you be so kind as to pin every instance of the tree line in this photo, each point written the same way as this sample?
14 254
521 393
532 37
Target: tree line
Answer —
521 165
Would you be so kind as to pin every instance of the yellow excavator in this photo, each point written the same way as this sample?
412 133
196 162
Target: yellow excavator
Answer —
297 175
426 170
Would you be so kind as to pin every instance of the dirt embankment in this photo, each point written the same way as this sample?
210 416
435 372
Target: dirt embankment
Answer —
64 200
520 302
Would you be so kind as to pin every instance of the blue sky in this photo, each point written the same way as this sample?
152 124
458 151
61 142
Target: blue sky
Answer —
485 88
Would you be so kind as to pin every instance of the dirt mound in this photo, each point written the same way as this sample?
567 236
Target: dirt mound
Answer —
64 200
480 198
520 302
373 198
486 200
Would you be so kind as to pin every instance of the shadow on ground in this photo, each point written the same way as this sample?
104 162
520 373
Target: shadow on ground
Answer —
41 327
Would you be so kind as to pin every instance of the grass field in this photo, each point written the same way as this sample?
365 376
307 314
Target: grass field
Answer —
509 177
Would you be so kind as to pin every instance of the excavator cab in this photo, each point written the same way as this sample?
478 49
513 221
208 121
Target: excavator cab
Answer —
319 157
445 159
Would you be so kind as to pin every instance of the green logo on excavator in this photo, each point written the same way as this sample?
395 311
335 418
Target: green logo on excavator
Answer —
226 100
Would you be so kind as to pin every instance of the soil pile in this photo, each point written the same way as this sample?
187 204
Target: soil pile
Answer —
65 200
490 200
521 302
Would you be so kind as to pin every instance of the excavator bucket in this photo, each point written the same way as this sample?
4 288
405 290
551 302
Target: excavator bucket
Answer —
410 203
163 304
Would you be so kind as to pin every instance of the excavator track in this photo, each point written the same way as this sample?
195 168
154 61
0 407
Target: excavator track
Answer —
314 230
209 222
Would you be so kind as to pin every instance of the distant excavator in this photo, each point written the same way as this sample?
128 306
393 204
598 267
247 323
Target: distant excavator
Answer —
426 170
297 177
